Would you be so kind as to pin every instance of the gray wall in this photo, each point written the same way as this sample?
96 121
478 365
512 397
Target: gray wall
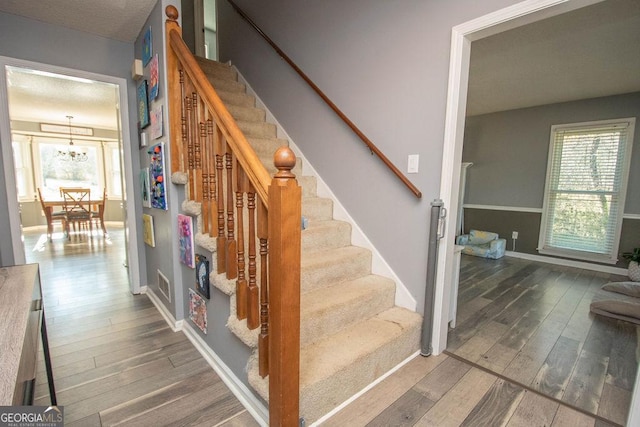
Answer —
163 256
509 153
385 64
32 40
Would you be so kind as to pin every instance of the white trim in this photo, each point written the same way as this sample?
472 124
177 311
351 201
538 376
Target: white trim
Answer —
569 263
175 325
524 209
253 405
503 208
461 37
12 198
349 401
403 298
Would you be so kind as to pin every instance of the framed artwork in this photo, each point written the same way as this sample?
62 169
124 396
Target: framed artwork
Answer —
157 188
143 105
147 47
198 310
202 275
185 240
147 230
153 77
144 188
156 122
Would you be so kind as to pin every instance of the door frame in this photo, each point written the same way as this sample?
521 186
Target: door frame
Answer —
462 35
125 141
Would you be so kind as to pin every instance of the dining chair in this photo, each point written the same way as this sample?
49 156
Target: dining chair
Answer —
98 215
51 216
77 206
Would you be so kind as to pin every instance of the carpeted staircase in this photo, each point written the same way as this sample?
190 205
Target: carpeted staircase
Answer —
351 332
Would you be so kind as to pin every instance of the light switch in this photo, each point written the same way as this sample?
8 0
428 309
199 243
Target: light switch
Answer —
412 165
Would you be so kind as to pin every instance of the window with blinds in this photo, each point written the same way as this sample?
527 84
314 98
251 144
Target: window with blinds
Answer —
585 189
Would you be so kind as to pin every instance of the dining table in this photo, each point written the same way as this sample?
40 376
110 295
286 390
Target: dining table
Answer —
95 205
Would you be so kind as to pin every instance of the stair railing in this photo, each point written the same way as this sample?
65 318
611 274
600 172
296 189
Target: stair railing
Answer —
370 145
239 203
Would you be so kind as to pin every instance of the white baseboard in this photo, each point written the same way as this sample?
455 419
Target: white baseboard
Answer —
175 325
379 266
254 406
569 263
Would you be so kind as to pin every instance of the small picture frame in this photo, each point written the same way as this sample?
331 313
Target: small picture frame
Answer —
147 47
147 230
143 105
202 276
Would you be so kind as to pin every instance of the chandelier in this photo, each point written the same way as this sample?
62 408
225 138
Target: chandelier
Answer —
70 154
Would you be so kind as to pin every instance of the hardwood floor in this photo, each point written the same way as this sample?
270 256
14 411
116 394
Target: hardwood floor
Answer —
440 391
530 322
115 360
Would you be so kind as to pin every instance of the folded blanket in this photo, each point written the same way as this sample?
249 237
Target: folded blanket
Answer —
631 289
623 310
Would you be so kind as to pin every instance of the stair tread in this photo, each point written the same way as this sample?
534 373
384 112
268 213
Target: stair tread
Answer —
335 352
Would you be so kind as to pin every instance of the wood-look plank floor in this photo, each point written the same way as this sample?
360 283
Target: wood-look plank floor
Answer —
115 360
117 363
530 322
442 391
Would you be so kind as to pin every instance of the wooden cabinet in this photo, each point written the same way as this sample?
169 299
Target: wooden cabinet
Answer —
21 319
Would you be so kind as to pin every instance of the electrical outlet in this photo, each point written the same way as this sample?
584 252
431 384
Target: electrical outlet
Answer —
514 235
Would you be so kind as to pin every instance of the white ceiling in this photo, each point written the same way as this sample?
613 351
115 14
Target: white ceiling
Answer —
590 52
113 19
587 53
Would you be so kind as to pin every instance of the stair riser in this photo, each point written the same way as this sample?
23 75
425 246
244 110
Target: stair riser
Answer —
318 276
258 129
316 208
227 85
247 114
336 236
240 99
317 325
217 70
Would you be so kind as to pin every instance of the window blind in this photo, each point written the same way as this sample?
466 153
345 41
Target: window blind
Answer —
584 197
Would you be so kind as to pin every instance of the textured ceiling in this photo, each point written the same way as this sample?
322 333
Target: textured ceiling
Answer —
49 98
587 53
113 19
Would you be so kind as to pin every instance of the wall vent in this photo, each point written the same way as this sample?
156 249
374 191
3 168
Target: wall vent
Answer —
164 286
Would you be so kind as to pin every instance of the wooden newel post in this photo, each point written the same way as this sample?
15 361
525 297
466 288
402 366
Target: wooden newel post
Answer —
285 210
174 93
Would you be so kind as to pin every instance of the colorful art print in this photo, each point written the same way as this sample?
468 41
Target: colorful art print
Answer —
198 310
158 192
147 47
143 105
153 77
202 275
185 240
145 188
156 122
147 230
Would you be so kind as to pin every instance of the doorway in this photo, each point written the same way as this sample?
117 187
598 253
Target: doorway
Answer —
50 111
512 17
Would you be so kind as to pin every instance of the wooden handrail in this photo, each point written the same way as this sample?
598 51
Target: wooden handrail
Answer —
374 149
250 162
